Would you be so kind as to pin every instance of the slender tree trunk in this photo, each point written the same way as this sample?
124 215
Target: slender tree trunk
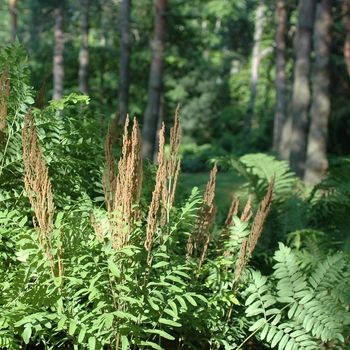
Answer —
58 66
155 83
84 49
346 23
13 11
285 142
255 69
301 89
124 62
316 155
280 109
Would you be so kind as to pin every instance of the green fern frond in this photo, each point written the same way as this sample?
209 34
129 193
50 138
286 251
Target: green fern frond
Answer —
265 167
291 280
258 169
316 302
311 246
288 336
341 290
260 299
239 231
328 272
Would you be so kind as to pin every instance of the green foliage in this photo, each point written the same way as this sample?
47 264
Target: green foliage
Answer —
301 309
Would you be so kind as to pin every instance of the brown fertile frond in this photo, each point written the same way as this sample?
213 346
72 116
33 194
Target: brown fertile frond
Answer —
41 97
233 211
128 188
4 95
173 162
247 212
225 234
206 216
109 177
136 180
157 193
242 260
98 228
204 251
249 245
172 169
38 187
36 179
260 218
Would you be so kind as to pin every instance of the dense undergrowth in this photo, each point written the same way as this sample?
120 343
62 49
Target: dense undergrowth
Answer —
97 252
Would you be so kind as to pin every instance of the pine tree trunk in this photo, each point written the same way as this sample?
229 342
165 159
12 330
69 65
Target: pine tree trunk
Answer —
155 84
346 23
84 49
124 63
301 89
13 12
316 155
255 70
58 66
280 109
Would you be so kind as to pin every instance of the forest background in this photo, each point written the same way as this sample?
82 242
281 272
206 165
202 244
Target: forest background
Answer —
249 75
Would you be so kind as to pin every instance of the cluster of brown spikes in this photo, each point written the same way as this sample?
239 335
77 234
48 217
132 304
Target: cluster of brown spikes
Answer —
248 245
122 193
122 190
166 181
38 187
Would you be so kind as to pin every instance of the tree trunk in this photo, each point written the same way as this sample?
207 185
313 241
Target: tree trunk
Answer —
124 62
316 155
285 142
301 89
155 83
58 67
346 23
84 49
13 12
280 109
255 69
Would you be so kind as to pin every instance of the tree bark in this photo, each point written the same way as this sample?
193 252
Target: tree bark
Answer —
84 56
155 84
124 62
255 69
301 89
280 83
346 23
58 64
316 155
13 12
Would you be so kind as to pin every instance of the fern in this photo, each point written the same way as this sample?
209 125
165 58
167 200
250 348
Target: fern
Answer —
302 309
258 169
